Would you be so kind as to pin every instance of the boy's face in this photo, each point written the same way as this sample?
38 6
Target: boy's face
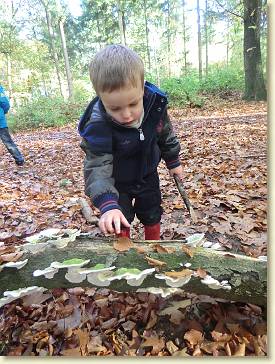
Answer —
125 105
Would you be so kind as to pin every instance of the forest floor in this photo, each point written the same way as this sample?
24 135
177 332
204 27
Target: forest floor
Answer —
224 155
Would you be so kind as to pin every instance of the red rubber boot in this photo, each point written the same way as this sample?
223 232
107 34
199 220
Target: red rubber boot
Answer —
124 232
152 232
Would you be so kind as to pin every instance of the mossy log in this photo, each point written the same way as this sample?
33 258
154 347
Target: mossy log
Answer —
247 276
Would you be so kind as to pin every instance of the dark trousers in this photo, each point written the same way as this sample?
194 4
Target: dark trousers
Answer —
142 200
10 145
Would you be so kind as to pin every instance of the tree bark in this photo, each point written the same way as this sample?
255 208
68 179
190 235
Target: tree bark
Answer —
199 40
206 37
184 36
66 58
247 276
147 34
52 47
254 82
121 22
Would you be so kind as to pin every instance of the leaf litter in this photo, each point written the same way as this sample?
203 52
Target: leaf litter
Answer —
226 181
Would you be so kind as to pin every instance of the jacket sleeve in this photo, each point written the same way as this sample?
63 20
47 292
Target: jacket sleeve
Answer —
168 143
99 183
4 101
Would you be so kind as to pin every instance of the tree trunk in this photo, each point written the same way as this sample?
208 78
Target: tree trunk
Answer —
199 39
254 82
246 276
206 37
184 36
53 52
147 34
66 58
169 37
121 23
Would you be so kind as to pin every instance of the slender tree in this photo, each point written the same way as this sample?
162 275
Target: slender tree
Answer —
121 21
147 33
206 37
51 41
61 21
199 39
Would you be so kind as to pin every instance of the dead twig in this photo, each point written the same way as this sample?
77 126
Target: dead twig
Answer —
185 198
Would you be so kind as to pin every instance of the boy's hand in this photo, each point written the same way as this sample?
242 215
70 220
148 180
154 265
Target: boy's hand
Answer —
178 171
111 221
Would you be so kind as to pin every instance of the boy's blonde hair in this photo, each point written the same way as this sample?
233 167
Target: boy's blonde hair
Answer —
114 67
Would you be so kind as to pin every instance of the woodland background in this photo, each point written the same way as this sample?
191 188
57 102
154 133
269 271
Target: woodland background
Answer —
194 50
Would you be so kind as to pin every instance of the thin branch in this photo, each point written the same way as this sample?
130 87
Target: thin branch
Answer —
229 11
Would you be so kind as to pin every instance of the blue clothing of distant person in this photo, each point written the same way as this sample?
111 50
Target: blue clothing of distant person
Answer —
4 130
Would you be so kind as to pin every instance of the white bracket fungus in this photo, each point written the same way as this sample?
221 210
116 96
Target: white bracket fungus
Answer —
18 265
214 283
263 258
98 275
163 291
72 275
133 276
174 282
211 245
13 295
57 237
195 240
47 272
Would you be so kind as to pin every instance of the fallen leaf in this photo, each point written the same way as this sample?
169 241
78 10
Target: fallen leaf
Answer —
194 337
11 257
179 274
123 244
240 350
155 262
83 340
152 320
157 344
201 273
161 249
171 347
187 250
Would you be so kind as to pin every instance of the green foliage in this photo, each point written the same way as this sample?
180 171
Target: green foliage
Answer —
45 112
223 79
183 91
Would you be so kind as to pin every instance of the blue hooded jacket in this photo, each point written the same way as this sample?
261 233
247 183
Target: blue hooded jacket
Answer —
4 108
117 157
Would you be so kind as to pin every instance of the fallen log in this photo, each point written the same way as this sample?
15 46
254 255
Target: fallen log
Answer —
215 273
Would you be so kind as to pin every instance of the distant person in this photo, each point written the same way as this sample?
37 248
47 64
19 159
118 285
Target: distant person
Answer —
126 131
4 130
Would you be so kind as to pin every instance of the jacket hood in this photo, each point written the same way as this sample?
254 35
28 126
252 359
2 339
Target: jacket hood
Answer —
96 109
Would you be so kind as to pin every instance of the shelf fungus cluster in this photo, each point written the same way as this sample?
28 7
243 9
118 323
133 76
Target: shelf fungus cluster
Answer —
10 296
18 265
99 275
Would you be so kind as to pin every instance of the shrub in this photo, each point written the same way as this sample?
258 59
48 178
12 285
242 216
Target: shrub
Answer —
183 91
222 79
45 112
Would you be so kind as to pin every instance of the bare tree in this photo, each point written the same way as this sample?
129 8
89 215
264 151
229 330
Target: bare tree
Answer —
199 39
51 40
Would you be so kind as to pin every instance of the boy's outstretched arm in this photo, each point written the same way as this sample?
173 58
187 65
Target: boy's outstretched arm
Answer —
99 186
170 147
111 222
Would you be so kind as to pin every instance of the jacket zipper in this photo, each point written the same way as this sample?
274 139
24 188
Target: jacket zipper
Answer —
141 135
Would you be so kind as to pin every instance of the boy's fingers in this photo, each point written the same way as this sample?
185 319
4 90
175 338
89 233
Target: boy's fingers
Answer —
117 226
125 221
109 226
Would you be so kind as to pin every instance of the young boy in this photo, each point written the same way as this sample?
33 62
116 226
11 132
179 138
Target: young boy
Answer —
4 130
126 131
